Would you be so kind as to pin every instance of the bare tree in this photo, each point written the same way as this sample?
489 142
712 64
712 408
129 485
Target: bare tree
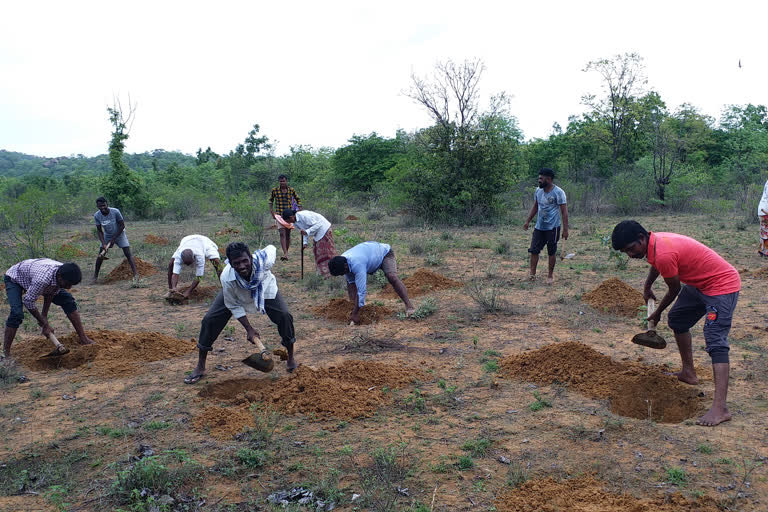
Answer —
668 146
623 80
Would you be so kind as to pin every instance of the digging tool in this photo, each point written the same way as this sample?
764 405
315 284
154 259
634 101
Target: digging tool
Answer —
562 250
302 261
650 338
60 349
103 253
258 362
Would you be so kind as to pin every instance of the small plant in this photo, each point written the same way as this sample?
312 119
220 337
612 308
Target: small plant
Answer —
517 474
676 476
704 448
375 215
433 260
415 401
445 235
9 373
157 425
487 296
491 366
416 248
426 308
36 393
465 462
251 458
540 402
503 247
477 447
313 281
621 259
144 481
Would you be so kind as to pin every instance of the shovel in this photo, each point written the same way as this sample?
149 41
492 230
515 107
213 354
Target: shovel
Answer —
649 338
103 254
60 349
302 261
562 250
258 362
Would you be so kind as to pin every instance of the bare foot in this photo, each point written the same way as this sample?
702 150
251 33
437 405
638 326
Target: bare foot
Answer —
531 277
550 280
86 341
688 378
713 418
284 257
409 311
291 365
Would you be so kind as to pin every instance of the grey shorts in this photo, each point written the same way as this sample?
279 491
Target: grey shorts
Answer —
389 264
121 241
691 305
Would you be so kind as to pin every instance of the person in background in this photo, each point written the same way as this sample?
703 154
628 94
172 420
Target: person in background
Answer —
762 214
283 197
549 205
192 249
111 228
316 226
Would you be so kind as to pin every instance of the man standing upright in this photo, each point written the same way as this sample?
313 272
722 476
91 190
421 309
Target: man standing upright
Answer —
711 290
111 228
283 197
550 205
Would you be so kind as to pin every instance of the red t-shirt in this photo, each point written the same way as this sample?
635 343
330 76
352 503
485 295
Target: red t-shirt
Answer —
696 264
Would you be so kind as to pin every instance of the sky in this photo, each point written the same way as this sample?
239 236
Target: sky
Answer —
316 73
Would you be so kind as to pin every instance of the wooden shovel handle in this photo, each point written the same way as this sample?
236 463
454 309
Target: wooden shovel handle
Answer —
651 307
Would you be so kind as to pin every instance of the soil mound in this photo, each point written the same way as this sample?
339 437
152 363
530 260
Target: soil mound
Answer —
351 217
423 281
114 353
633 390
350 390
226 230
224 422
201 293
585 494
122 272
156 240
615 296
339 310
67 252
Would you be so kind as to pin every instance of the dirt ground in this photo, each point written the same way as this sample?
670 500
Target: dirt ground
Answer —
542 404
123 271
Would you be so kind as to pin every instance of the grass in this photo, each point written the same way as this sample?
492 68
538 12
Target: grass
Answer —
9 373
676 476
540 403
142 483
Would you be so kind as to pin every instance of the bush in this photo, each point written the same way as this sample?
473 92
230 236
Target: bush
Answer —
144 481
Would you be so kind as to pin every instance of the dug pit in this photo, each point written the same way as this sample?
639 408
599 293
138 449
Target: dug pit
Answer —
586 494
339 309
351 390
633 390
199 294
113 354
615 296
123 272
423 281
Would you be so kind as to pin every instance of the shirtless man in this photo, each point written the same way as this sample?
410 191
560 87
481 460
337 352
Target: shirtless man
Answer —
704 284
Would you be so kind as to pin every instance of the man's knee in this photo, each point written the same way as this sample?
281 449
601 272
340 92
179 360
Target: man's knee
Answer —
15 319
719 353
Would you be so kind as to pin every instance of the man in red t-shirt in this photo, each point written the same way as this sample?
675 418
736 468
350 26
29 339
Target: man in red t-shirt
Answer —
711 288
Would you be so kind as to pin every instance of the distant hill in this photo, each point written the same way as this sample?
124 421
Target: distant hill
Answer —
14 164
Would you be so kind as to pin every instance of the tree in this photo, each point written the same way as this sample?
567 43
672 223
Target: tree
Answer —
363 163
623 80
122 187
244 156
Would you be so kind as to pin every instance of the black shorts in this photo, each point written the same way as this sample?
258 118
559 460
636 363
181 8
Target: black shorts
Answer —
542 238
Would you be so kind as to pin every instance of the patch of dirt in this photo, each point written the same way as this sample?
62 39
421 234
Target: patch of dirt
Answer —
761 272
156 240
586 494
114 353
339 310
634 390
281 353
68 252
423 281
201 293
615 296
351 217
226 230
82 236
365 343
224 422
122 272
350 390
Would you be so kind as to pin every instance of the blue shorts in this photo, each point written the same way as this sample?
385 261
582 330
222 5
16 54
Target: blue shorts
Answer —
14 293
691 305
121 241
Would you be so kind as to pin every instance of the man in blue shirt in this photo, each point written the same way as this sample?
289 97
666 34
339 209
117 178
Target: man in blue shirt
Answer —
367 258
550 205
111 229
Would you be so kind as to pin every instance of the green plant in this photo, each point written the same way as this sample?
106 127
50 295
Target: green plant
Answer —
704 448
157 425
251 458
486 295
491 366
516 474
433 260
143 481
465 462
676 476
540 402
416 248
477 447
426 308
9 373
36 393
415 401
503 247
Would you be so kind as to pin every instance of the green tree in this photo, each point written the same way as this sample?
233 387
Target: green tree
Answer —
364 162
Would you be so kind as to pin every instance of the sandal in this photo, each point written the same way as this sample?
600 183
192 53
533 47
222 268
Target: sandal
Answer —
191 379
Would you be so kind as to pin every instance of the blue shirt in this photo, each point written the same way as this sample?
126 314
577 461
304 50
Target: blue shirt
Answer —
362 259
548 216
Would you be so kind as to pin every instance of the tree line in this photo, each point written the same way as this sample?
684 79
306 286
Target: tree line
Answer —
628 152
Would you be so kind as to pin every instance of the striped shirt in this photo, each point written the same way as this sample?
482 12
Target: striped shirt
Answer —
283 199
37 277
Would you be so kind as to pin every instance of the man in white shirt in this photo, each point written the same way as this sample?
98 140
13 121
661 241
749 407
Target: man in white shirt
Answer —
248 287
316 226
192 249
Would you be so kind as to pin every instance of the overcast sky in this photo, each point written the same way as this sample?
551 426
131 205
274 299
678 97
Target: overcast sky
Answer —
316 73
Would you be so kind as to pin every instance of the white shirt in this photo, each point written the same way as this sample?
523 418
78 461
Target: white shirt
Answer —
313 223
763 202
202 248
237 299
